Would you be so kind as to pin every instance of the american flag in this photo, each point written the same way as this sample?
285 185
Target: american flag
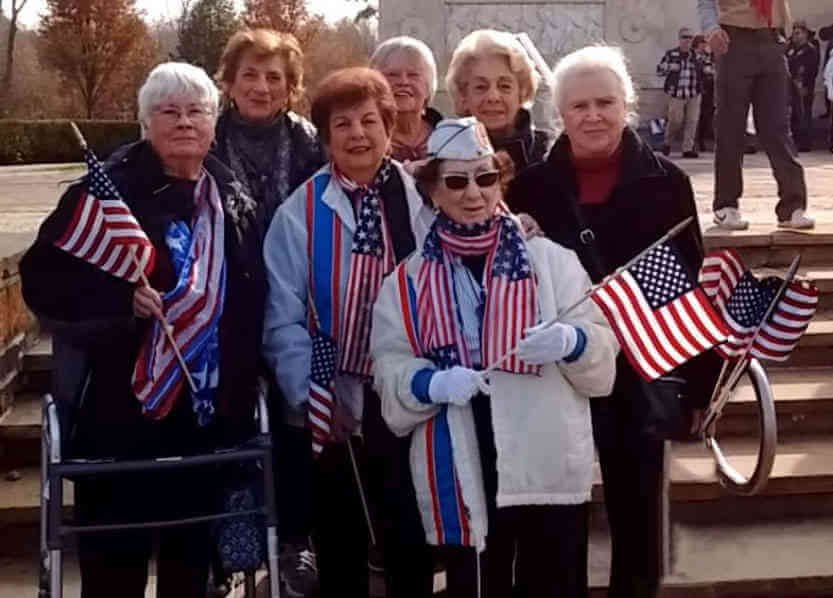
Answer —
371 258
509 302
659 314
743 300
104 232
322 372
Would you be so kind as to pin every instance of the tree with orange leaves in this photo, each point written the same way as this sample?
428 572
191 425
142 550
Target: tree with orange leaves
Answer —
289 16
94 45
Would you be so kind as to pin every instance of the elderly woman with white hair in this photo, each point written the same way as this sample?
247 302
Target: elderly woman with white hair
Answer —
603 193
409 66
492 77
207 259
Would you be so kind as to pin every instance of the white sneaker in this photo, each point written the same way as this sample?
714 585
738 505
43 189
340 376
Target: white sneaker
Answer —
799 220
729 219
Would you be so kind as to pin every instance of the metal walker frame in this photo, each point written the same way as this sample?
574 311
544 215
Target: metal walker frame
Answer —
54 530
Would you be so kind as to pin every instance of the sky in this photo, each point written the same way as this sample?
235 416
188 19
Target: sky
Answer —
333 10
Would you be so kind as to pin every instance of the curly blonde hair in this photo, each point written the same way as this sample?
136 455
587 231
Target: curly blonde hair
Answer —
489 42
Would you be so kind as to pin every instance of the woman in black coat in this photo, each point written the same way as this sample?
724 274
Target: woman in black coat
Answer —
603 193
207 256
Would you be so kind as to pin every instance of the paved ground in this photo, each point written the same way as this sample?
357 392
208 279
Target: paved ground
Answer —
28 193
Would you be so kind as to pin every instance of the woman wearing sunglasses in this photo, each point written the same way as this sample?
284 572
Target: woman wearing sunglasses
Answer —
500 460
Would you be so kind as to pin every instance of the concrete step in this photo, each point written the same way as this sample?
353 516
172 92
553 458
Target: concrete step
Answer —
803 404
23 420
764 245
800 485
20 430
20 499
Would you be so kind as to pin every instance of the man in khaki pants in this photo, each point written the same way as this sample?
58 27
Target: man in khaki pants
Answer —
682 68
747 41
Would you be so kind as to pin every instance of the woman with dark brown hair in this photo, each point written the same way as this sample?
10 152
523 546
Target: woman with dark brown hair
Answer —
326 252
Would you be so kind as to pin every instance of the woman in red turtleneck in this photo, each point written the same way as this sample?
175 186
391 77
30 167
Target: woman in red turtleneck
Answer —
603 193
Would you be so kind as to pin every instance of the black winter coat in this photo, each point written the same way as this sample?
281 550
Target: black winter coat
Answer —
92 310
651 196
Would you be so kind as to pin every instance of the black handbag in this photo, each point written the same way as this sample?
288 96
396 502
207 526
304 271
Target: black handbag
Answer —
664 410
661 407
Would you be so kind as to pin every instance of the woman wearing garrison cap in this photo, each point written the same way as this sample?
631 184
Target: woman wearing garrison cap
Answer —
500 461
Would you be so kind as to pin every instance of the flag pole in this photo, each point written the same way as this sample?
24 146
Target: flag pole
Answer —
165 326
672 232
361 492
716 404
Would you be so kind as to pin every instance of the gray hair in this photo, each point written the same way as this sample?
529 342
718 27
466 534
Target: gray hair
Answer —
412 47
485 42
590 59
175 78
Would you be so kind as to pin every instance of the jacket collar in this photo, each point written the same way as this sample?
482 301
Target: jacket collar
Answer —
638 160
421 216
137 167
524 131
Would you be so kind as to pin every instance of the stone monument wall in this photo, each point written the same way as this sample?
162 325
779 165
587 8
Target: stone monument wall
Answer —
645 29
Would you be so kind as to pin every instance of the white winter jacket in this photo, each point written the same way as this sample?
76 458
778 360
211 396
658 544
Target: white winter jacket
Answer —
541 424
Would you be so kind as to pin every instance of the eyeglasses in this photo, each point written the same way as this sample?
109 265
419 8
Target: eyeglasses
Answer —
172 115
686 37
458 182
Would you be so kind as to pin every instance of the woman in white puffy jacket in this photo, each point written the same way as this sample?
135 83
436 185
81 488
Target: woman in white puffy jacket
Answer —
501 461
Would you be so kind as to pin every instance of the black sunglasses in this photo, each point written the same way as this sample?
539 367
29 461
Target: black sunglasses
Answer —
458 182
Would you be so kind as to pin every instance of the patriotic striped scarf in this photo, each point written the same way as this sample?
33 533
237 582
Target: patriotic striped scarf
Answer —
371 259
509 292
193 310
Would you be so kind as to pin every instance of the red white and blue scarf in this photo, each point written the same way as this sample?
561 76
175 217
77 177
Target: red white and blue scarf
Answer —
193 309
371 259
509 288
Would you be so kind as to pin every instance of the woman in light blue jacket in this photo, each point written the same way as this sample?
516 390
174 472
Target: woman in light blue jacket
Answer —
326 252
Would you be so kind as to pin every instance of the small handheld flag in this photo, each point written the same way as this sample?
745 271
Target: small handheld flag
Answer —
103 231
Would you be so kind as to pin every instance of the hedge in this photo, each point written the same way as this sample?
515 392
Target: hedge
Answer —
51 141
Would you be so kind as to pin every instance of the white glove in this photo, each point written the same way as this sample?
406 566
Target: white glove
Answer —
542 344
457 385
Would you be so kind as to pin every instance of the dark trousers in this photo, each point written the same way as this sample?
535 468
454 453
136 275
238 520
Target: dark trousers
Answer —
341 536
407 558
340 532
117 563
542 548
754 70
801 119
293 464
705 128
632 466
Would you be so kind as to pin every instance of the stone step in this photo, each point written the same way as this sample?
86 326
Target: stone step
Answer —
803 403
39 357
20 433
802 465
765 245
20 499
23 420
777 559
800 485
